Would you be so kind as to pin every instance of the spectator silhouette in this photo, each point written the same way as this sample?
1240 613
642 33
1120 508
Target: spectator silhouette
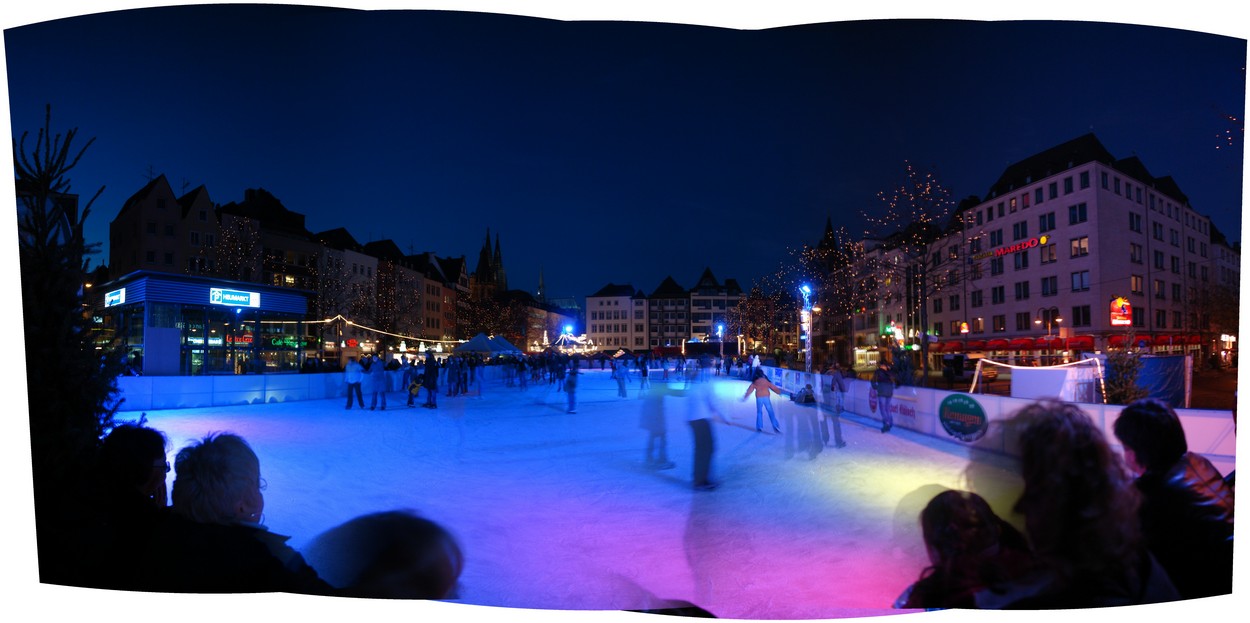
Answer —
389 555
1187 507
1080 514
127 502
970 548
213 542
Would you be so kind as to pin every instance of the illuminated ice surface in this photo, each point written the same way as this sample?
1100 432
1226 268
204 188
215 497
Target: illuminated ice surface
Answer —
558 511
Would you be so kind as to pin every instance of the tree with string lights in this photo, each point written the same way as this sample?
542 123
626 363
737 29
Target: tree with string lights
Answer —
909 225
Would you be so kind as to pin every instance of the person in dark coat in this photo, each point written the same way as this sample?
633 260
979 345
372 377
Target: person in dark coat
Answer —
378 383
883 382
214 540
126 503
1187 507
430 382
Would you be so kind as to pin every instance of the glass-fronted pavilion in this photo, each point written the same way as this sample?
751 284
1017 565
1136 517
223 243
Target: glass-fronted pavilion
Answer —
190 325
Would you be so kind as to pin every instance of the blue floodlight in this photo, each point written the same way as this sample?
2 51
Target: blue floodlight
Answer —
805 289
568 328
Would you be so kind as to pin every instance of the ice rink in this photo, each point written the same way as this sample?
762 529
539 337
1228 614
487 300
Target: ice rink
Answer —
558 511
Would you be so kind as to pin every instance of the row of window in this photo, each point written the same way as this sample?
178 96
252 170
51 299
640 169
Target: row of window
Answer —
1026 322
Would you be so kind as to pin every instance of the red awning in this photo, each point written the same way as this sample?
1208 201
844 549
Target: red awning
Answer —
1193 339
937 347
976 345
1081 342
1142 341
1053 342
996 344
1021 343
954 347
1117 341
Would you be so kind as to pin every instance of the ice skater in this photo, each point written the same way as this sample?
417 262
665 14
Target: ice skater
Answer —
839 384
570 386
378 385
760 386
884 381
430 382
354 375
653 421
621 367
699 409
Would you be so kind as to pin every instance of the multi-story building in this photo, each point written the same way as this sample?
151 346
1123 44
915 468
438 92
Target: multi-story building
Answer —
710 302
668 316
616 317
1073 250
346 286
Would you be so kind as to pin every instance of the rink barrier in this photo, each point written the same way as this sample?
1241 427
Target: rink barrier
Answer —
1208 432
150 393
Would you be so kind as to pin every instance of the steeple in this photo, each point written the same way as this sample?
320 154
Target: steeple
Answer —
501 278
541 295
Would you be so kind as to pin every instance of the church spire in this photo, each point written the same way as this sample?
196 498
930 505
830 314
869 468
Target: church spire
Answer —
541 295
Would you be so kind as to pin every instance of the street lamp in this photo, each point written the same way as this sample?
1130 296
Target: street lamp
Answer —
806 318
720 337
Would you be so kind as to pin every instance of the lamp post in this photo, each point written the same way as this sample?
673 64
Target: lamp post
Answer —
720 337
806 318
1050 316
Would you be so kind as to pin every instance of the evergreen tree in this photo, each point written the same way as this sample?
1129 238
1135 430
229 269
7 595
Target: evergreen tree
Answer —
1123 366
71 386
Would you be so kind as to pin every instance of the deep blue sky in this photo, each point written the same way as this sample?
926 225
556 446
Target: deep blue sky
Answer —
605 152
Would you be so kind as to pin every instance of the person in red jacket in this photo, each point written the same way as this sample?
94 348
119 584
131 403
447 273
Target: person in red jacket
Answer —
761 386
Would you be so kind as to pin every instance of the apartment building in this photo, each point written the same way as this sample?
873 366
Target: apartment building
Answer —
1071 251
616 317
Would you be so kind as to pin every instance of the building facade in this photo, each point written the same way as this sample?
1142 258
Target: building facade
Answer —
1072 251
616 317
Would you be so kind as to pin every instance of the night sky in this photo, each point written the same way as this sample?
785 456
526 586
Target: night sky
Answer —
613 151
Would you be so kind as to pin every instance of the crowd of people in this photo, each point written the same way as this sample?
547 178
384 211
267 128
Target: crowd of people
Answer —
1100 527
207 533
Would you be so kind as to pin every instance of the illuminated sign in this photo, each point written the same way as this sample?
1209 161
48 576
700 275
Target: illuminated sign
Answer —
116 297
1121 312
245 338
963 418
233 298
1015 248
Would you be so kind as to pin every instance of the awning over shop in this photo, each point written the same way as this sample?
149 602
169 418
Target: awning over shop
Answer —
996 344
1053 342
1081 342
1021 343
976 345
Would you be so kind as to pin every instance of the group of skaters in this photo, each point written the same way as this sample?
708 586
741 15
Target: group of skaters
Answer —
207 534
458 375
